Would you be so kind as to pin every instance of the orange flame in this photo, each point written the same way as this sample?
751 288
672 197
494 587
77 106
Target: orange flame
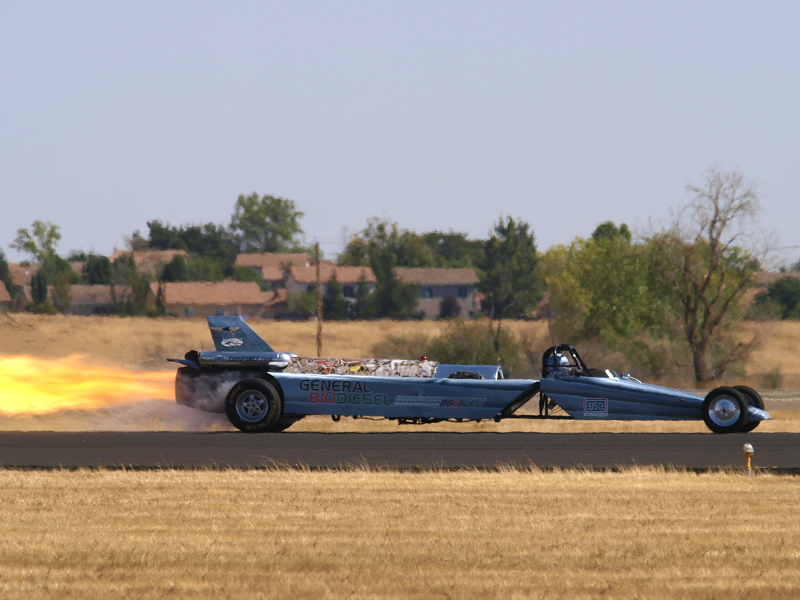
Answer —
37 386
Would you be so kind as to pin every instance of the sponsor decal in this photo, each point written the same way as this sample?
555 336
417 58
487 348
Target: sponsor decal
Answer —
439 401
464 402
232 342
595 407
334 385
337 391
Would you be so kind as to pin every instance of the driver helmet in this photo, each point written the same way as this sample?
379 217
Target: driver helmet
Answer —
558 361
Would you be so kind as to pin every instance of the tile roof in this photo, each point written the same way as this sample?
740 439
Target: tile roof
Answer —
218 293
22 275
436 276
348 275
273 260
765 278
4 295
147 261
90 295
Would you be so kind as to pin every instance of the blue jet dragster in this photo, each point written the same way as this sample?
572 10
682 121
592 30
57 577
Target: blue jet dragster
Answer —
262 390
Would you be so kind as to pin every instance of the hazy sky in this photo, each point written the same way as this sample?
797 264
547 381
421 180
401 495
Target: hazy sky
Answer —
439 115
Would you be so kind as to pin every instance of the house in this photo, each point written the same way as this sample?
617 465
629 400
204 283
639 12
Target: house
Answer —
435 284
5 297
101 299
304 279
207 298
21 276
149 262
272 266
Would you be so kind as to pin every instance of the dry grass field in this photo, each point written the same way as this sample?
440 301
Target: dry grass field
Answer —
373 534
147 342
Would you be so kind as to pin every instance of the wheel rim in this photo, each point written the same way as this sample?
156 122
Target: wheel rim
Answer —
251 406
724 411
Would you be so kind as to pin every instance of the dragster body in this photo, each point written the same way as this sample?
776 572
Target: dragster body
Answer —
260 389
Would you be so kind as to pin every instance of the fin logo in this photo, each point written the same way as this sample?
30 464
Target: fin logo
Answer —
232 342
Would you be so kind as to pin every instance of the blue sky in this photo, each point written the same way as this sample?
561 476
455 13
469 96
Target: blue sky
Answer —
439 115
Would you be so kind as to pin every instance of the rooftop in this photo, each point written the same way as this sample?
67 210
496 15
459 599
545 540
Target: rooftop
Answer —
436 276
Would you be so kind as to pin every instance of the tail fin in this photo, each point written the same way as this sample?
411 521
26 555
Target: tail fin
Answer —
233 334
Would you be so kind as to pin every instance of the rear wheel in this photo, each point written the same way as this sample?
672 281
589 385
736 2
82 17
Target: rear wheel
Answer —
753 399
254 406
725 410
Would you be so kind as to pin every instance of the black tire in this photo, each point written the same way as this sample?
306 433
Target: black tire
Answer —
753 399
254 406
725 410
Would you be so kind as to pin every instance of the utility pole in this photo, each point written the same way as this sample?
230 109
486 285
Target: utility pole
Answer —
319 306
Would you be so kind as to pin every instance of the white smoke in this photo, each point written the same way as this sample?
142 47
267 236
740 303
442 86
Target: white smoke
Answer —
143 415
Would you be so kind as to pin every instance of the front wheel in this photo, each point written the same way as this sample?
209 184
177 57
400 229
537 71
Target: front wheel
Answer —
725 410
254 406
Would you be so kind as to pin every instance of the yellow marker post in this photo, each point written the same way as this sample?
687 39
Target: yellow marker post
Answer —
748 453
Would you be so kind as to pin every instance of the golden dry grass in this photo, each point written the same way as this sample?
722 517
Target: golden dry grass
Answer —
362 534
142 341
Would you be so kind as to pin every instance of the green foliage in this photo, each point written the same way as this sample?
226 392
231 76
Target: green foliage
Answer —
62 293
301 306
41 243
124 271
176 270
97 270
334 307
609 231
784 296
78 256
462 343
39 287
362 306
207 244
449 308
381 237
795 267
604 288
512 283
382 246
5 277
453 249
266 223
245 274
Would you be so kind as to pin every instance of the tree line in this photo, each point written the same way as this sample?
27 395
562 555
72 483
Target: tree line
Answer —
672 292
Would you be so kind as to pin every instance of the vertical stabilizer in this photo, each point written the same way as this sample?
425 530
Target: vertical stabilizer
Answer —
232 334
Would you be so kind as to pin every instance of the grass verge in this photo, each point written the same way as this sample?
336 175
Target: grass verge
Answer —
381 534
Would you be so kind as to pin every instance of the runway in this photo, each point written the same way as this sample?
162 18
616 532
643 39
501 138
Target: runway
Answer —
779 451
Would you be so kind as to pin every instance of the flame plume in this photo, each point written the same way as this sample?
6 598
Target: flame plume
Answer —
38 386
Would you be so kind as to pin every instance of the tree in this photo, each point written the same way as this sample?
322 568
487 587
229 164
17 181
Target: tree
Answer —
334 307
176 270
449 308
42 243
383 245
39 288
785 292
62 292
266 224
362 306
453 249
97 270
512 285
5 277
707 258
